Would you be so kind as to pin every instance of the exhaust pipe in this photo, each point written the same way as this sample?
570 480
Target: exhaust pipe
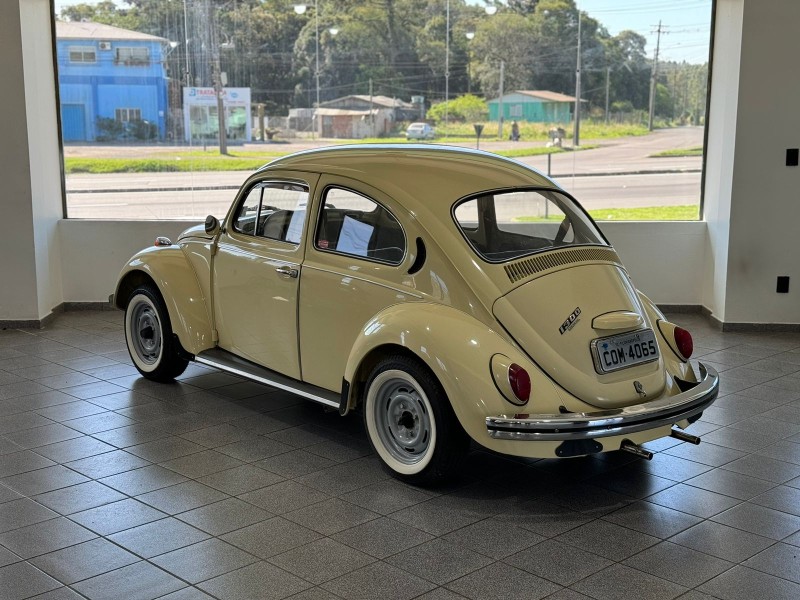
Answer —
684 437
629 446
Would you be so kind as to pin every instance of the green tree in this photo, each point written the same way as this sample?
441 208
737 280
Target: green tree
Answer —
466 108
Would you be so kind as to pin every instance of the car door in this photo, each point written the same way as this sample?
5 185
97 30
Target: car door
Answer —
257 272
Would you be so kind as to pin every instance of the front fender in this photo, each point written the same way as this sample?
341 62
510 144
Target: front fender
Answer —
458 349
175 278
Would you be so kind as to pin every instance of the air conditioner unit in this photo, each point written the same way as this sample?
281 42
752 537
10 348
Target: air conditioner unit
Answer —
105 45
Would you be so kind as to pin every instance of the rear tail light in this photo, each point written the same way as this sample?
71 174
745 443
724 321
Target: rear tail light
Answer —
683 342
520 382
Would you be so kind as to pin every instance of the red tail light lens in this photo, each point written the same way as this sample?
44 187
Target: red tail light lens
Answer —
683 341
520 382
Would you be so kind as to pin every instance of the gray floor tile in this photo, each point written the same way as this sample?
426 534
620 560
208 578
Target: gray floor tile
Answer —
780 560
187 593
652 519
117 516
182 497
43 480
109 463
731 484
97 423
254 448
378 580
295 463
7 494
343 478
83 561
595 537
79 497
204 560
760 520
70 410
260 580
217 435
321 560
271 537
692 500
165 449
619 582
678 564
202 463
502 581
141 481
382 537
7 557
74 449
224 516
331 516
41 436
437 516
240 480
387 496
158 537
763 467
22 512
439 561
62 593
22 462
741 583
673 467
722 541
44 537
21 580
493 538
558 562
782 498
284 497
140 581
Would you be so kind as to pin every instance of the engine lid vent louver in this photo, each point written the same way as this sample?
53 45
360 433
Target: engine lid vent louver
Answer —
536 264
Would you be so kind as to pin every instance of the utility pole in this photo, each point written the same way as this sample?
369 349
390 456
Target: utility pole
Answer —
216 76
576 134
608 81
316 60
371 118
500 113
653 76
447 71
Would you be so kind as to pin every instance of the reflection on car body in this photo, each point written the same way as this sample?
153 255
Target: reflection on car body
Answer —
448 294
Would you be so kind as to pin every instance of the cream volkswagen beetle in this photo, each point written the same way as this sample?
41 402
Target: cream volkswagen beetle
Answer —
446 293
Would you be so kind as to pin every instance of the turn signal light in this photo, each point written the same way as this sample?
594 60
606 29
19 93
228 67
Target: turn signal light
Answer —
683 341
520 382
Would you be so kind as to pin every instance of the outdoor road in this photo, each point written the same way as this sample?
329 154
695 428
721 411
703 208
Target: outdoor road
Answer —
618 174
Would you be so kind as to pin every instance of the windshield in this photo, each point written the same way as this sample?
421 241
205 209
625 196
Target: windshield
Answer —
502 226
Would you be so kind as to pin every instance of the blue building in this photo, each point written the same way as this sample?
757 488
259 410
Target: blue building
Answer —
110 81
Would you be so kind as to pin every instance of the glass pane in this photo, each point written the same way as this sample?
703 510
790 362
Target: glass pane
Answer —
213 89
507 225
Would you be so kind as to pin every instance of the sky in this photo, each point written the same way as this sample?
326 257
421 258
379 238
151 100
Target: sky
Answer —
685 23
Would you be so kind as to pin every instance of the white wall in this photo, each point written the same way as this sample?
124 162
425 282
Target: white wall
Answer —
765 194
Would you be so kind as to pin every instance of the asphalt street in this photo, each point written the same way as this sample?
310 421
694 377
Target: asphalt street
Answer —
620 173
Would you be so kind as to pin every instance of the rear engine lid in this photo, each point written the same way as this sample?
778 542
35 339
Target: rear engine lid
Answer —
585 327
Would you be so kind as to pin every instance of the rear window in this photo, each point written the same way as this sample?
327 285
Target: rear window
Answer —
502 226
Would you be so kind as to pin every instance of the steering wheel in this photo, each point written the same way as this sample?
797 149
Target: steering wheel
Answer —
562 230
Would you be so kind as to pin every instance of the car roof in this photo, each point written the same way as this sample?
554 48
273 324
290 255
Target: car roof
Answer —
433 175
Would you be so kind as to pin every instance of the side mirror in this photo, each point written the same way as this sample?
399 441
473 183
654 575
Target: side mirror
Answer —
212 225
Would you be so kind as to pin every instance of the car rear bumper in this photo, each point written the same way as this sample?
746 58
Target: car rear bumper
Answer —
613 422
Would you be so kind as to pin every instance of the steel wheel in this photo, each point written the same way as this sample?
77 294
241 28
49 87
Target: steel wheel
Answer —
402 419
410 422
145 331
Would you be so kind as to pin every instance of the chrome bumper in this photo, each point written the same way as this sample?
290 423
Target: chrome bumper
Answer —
605 423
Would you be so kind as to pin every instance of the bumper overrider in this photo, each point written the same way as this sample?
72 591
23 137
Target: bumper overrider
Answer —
612 422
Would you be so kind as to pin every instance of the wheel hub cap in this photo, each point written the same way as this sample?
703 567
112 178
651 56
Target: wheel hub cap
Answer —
146 333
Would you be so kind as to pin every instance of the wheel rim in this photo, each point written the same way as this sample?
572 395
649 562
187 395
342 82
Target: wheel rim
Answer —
145 332
402 417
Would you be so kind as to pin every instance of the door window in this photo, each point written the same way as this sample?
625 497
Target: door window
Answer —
273 210
355 225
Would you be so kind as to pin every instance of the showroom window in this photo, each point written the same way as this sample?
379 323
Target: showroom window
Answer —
225 86
355 225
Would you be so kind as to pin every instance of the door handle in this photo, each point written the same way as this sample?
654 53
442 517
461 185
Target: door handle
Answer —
288 271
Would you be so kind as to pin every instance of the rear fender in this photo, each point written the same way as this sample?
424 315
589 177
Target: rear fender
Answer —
458 350
168 268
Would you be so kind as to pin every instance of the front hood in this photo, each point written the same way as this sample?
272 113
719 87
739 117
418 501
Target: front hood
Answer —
556 317
195 231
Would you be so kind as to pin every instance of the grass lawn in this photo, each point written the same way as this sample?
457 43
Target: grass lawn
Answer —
698 151
686 212
211 160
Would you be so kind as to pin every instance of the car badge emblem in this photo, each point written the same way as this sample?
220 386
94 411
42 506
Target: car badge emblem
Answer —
639 389
570 322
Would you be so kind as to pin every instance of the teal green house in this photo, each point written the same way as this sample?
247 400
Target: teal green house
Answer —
534 106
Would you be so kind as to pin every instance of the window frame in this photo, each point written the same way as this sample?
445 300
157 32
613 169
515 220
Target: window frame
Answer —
83 50
474 196
132 60
230 224
322 199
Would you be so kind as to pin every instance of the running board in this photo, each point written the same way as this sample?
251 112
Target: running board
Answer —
225 361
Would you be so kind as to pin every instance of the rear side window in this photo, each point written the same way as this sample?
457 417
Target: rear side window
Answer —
273 210
353 224
502 226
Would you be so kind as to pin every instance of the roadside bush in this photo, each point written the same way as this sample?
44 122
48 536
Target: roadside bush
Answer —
108 129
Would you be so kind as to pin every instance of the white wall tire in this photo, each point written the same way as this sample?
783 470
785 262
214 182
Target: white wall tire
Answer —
148 335
410 422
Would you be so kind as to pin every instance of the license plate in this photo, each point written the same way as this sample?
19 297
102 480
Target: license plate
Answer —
626 350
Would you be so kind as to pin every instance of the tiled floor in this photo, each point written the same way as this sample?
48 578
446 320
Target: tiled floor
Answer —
115 487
